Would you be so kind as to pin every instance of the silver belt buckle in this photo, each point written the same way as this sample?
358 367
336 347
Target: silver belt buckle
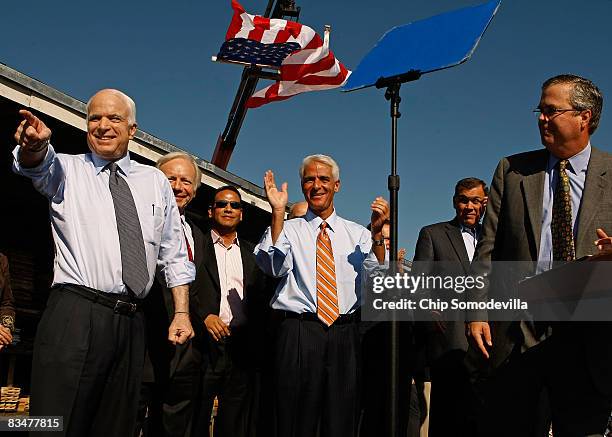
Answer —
122 307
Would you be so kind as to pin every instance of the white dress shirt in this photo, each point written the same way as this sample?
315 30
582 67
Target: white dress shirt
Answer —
294 258
470 239
231 281
188 235
85 229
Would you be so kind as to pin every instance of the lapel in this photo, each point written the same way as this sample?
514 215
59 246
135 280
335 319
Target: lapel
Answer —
532 188
198 242
247 264
453 231
210 261
594 187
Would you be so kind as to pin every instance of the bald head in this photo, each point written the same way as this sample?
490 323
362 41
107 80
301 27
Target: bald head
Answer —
127 99
110 124
298 210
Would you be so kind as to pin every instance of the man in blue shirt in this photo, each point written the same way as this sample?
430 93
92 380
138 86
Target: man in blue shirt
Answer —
114 221
320 259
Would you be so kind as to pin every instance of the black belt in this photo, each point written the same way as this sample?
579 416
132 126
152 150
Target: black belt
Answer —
120 303
343 319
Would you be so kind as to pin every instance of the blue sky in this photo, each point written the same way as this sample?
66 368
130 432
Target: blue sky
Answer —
455 123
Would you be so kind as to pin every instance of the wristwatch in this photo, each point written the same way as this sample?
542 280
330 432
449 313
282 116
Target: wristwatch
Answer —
380 242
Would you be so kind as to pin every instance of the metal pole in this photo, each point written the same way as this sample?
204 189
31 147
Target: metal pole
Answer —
393 95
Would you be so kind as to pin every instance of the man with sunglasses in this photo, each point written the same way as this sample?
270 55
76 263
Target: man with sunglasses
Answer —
320 259
547 206
232 300
451 245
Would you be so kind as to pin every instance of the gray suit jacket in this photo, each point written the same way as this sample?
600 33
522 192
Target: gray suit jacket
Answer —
512 230
442 242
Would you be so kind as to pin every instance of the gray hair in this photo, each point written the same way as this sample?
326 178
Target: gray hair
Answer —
187 157
128 101
584 96
324 159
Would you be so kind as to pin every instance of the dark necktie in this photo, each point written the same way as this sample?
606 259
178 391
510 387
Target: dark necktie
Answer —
561 226
135 274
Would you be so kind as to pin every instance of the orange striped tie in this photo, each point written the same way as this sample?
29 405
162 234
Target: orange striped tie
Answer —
327 292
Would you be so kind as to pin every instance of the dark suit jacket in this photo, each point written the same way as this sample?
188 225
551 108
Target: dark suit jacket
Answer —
512 230
159 312
442 242
258 290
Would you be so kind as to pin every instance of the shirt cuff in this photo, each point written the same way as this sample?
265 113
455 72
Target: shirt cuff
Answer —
32 172
179 273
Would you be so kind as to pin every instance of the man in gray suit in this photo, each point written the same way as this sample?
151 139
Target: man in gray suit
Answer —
451 246
571 367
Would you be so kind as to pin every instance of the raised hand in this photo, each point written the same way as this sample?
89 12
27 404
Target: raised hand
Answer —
32 134
380 213
277 199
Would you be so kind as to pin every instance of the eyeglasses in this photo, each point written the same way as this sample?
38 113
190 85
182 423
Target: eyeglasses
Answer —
465 200
551 112
224 203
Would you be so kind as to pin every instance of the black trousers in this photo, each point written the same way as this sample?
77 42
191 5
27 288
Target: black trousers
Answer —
227 375
376 386
317 371
454 404
171 395
548 382
87 366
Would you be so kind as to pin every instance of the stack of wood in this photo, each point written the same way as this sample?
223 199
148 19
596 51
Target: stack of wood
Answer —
9 399
24 405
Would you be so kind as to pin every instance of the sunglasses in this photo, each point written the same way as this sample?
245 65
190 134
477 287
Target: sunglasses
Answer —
224 203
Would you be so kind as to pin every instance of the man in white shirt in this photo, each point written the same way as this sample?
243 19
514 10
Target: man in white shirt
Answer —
232 300
451 245
172 372
319 259
114 222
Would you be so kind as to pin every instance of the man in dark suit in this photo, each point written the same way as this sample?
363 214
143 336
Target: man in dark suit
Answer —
450 245
534 197
7 304
171 373
232 303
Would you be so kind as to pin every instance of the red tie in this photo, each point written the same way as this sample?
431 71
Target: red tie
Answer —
189 252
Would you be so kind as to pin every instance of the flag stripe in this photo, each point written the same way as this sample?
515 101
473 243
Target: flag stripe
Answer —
261 26
236 23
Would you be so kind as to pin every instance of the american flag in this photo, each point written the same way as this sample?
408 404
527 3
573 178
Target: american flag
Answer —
304 59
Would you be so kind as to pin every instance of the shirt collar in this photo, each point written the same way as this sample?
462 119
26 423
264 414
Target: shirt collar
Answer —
216 238
315 221
471 231
124 163
578 162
